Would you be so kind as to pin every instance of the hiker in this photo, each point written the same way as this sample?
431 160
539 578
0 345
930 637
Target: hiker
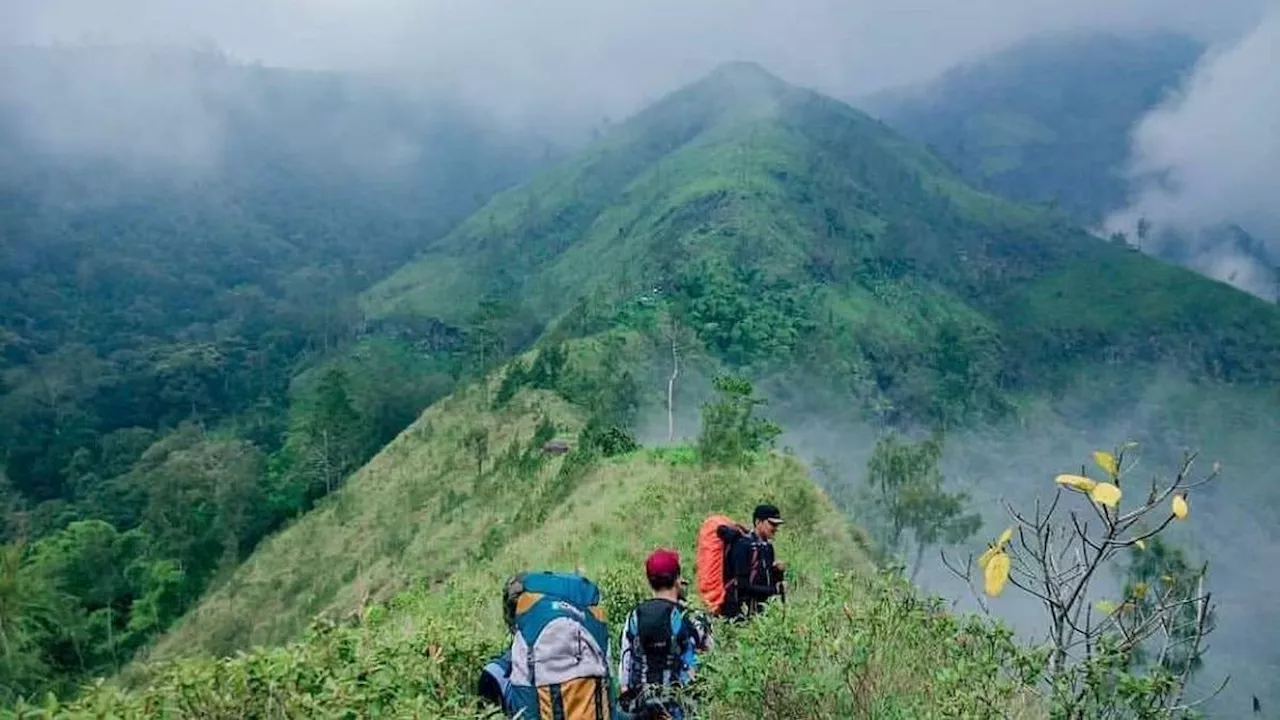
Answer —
752 575
559 648
659 642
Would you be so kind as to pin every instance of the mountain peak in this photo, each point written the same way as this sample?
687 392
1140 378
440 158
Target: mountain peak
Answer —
743 71
743 79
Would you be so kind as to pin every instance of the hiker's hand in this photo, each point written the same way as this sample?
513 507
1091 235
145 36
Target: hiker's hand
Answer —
782 588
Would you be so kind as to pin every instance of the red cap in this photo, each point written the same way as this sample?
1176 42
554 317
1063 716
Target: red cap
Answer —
663 562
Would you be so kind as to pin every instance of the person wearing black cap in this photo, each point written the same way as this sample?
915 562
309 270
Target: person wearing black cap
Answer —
752 574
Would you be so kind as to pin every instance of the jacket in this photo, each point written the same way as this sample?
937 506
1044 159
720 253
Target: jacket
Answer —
750 575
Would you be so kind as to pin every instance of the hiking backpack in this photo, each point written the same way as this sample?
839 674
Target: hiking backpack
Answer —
656 652
652 632
559 648
709 561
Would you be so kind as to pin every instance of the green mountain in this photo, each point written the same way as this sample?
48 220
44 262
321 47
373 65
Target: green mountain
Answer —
790 232
1046 120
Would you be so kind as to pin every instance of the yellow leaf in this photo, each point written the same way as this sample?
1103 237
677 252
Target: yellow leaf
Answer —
1139 589
1105 494
1075 482
1180 507
986 556
1107 462
1168 579
996 574
1105 606
1005 537
1142 544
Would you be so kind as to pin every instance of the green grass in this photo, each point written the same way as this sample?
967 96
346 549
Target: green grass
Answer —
850 641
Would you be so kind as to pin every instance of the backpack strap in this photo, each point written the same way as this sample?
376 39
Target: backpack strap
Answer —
637 669
674 650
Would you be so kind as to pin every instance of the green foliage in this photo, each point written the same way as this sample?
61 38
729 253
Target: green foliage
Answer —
731 433
743 315
608 441
1160 575
905 491
848 638
852 653
80 600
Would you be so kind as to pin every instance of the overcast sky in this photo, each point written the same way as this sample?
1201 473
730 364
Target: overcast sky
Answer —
606 56
563 63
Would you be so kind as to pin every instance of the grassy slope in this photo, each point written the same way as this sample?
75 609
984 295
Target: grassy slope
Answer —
850 642
417 510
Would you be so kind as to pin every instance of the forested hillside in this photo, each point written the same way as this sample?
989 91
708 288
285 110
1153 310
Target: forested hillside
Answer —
183 365
1047 120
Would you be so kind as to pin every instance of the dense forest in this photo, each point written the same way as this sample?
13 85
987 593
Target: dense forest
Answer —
184 366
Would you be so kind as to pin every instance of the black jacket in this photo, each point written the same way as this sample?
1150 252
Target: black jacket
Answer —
750 577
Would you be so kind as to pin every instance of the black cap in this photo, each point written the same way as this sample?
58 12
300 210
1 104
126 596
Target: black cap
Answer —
767 512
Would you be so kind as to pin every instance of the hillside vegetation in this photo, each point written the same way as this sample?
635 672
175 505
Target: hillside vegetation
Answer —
849 642
748 224
739 223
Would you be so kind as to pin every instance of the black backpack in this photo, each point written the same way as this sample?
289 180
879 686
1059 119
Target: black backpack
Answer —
654 629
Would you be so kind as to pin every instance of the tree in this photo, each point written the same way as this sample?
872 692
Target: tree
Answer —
329 433
485 344
907 496
731 433
678 338
30 609
1096 663
1143 231
476 441
1159 575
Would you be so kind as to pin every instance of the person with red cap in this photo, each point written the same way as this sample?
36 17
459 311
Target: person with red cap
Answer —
659 644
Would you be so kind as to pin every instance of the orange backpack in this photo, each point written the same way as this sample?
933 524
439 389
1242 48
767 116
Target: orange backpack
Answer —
709 562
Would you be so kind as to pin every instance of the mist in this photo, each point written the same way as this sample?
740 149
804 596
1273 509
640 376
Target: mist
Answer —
560 66
1207 157
1232 525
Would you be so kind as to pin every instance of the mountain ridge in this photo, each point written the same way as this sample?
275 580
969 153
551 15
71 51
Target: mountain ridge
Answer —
839 218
